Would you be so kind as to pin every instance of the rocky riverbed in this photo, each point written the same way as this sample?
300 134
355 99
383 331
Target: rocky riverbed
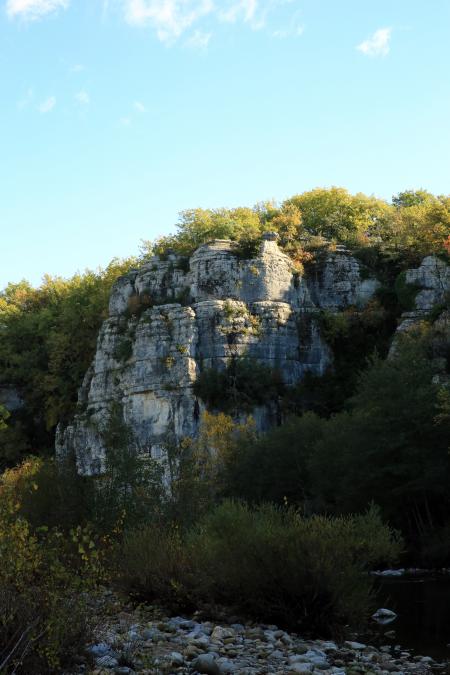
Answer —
143 640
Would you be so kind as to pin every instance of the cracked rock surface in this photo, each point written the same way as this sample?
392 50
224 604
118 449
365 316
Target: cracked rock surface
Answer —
173 318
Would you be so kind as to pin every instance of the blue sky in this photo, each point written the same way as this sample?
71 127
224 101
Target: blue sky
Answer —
118 114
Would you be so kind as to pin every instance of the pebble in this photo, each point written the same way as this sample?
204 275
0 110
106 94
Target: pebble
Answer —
206 664
301 668
106 661
100 649
157 645
176 659
354 645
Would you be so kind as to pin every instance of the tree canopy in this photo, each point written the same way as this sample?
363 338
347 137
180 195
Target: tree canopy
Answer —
415 222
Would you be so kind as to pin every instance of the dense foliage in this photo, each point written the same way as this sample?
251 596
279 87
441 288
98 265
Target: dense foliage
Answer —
239 387
415 224
48 334
390 445
47 340
271 563
44 578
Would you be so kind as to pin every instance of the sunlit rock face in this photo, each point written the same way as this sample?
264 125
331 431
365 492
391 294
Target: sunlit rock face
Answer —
335 282
432 282
174 318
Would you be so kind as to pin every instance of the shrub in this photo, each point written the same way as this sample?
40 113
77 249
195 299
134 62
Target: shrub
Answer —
155 563
406 293
242 385
271 563
280 566
43 579
131 488
123 350
129 491
274 466
57 496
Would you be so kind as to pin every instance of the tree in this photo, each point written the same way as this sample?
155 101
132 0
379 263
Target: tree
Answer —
389 448
287 222
336 214
198 226
409 198
422 228
47 341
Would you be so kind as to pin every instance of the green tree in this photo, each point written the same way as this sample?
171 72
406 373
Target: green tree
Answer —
334 213
198 226
409 198
47 340
388 447
421 229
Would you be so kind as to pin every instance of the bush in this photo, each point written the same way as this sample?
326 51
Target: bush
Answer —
154 563
242 385
123 350
406 293
43 584
271 563
131 488
274 466
57 496
391 446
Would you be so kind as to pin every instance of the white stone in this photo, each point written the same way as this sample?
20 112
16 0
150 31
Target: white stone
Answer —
355 645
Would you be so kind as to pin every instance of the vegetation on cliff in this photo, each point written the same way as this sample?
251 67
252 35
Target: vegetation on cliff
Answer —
48 334
370 437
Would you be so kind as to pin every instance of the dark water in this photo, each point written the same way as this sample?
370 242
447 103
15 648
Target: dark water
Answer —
423 608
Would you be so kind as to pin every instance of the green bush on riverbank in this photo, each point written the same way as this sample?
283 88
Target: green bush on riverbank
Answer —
270 562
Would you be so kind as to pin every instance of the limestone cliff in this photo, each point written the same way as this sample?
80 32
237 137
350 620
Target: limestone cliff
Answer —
173 318
432 283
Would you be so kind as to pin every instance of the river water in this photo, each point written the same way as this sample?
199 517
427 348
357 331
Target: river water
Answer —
423 607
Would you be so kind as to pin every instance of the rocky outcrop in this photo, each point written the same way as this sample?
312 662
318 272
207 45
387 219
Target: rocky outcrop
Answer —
432 283
336 283
174 318
432 279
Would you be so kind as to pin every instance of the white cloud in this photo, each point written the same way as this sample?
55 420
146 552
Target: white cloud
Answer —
77 68
125 121
377 44
243 9
82 97
255 13
170 18
198 40
31 10
47 105
139 107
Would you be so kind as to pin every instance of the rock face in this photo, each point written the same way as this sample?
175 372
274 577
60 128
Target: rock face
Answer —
432 281
174 318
